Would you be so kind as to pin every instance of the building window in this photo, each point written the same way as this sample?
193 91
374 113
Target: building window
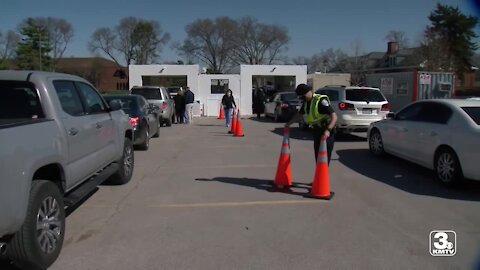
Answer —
219 86
402 89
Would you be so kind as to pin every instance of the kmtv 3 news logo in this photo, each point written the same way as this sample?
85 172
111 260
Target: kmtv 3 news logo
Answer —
443 243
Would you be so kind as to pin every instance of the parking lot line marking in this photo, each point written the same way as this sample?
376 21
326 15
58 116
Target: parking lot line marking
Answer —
227 204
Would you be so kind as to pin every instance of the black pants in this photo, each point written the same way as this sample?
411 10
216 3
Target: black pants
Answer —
317 134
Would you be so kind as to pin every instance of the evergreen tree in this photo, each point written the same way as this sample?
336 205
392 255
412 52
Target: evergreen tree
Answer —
34 48
451 36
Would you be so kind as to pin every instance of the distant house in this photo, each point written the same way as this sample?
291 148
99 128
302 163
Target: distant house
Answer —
397 59
104 74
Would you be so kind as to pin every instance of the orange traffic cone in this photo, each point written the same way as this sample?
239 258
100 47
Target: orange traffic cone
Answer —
238 127
321 182
233 123
283 177
220 113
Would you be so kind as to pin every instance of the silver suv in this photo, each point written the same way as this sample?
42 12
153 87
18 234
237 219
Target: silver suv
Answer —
159 96
356 107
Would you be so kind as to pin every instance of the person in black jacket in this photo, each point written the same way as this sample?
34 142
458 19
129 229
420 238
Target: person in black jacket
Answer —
179 107
259 103
189 100
228 103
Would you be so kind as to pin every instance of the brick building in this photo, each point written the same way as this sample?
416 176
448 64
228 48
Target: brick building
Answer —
103 73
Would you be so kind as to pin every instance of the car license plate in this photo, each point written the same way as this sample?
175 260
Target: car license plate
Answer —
297 107
367 111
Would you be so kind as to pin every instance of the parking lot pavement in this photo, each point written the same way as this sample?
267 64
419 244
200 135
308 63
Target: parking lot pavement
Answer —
199 199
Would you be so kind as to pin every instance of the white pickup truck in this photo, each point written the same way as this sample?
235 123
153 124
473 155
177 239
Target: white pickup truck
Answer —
59 140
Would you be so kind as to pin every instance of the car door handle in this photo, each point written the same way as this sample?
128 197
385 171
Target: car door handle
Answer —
72 131
98 125
433 133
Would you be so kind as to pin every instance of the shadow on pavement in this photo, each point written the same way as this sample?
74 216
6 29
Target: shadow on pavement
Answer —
349 138
404 175
263 119
261 184
295 133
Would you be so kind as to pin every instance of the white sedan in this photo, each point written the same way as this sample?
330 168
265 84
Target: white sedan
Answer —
440 134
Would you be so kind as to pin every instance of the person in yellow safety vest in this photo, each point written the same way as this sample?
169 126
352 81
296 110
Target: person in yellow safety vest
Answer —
319 115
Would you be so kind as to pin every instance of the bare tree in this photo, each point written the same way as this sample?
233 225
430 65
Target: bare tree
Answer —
210 41
8 45
103 40
146 37
258 43
399 37
325 61
135 40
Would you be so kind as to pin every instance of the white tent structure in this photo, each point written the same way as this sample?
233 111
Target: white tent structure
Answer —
208 88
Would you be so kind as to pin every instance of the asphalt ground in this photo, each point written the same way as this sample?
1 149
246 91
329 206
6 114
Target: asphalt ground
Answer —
200 199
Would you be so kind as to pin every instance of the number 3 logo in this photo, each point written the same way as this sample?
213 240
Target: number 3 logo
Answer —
442 241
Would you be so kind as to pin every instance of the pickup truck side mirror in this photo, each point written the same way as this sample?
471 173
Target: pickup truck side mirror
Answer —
115 105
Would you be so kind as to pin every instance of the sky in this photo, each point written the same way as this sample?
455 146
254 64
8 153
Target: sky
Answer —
313 25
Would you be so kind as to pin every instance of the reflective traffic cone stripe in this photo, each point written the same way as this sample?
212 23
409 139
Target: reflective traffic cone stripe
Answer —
283 176
321 182
238 127
220 113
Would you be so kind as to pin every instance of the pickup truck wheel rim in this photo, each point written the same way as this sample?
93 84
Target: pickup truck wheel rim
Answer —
127 162
49 226
446 167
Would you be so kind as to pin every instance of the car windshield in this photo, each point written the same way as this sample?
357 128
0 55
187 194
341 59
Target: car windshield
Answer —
368 95
148 93
474 113
129 104
289 97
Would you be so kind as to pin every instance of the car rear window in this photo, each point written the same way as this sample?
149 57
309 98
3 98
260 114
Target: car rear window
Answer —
474 113
19 100
148 93
333 95
129 105
289 97
369 95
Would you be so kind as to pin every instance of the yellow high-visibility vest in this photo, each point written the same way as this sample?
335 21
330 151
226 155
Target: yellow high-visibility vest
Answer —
313 116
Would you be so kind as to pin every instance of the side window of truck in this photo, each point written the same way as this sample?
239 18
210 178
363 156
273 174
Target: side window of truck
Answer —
69 98
92 99
19 100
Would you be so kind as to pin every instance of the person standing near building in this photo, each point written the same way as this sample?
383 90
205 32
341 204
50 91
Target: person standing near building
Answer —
259 102
189 100
228 103
320 116
179 106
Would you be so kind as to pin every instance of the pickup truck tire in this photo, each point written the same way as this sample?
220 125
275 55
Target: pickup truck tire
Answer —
38 242
126 164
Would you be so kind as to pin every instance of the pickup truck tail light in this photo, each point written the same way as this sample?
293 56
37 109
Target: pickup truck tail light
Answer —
344 106
164 105
386 107
133 121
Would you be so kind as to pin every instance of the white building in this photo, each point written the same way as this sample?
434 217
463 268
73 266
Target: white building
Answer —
209 88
